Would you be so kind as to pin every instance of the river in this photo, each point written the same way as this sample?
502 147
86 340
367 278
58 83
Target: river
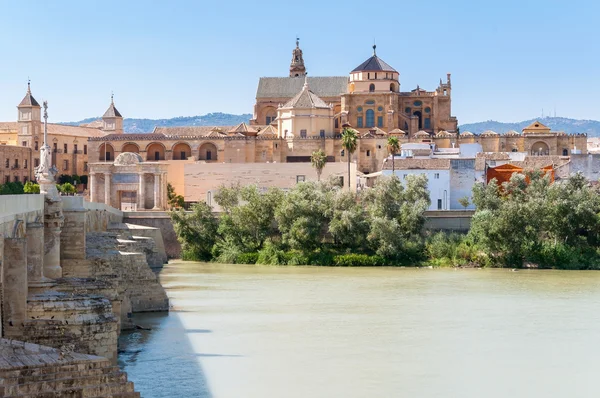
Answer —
259 331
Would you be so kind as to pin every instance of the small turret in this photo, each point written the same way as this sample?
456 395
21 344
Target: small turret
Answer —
29 119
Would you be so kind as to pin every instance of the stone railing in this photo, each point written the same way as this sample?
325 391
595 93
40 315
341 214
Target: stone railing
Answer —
19 207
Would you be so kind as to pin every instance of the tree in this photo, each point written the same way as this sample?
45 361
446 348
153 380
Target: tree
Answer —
464 202
228 197
83 179
30 188
349 143
348 225
393 146
11 188
64 178
67 188
318 159
302 214
175 201
196 231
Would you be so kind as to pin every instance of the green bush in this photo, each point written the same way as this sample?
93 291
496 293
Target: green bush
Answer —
358 260
246 258
30 187
296 257
271 254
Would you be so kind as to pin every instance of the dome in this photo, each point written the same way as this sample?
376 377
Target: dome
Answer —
128 159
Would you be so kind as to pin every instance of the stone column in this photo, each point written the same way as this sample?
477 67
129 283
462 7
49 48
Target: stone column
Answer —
107 189
164 198
35 253
15 286
156 191
92 181
141 192
52 268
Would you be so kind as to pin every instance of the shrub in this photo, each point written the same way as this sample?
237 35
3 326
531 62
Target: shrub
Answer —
296 257
358 260
30 187
246 258
271 254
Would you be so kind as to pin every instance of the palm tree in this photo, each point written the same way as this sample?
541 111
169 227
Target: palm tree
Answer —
393 146
349 143
318 160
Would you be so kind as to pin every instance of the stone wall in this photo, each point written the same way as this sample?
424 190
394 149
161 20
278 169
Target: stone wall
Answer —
158 227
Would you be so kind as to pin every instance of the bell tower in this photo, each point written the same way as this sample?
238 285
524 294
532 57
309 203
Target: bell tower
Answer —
112 121
29 120
297 68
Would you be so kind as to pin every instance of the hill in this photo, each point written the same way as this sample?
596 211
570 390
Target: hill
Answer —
569 126
147 125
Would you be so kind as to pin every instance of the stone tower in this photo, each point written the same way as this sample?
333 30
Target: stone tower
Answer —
112 121
297 68
29 121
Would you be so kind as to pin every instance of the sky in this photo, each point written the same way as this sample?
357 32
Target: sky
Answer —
510 60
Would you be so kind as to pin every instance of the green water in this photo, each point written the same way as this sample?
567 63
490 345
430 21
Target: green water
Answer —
250 331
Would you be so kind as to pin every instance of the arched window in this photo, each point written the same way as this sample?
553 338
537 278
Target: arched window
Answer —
392 87
565 152
371 88
370 118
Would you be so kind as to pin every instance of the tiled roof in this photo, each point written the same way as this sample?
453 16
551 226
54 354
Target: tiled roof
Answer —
269 130
131 137
112 111
374 64
28 100
242 128
287 87
397 132
9 127
306 99
417 164
59 129
190 130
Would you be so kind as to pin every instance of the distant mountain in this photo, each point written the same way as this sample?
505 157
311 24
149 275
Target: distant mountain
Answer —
569 126
147 125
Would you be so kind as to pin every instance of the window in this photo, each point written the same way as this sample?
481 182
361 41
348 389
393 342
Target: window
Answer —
375 75
322 133
23 143
378 146
427 110
439 204
300 179
6 179
65 165
108 155
276 146
16 179
436 176
7 163
370 118
341 154
337 123
369 76
370 102
368 152
302 133
182 155
55 147
407 110
25 179
36 146
85 149
208 155
156 155
371 88
36 162
565 152
85 166
270 119
379 121
427 123
264 154
65 148
25 163
359 122
16 163
75 148
359 109
417 103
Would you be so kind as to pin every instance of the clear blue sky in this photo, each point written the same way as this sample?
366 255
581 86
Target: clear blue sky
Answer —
508 59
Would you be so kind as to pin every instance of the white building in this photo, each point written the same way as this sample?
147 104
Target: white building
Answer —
450 174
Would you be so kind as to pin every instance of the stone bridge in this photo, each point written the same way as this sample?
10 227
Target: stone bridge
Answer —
71 274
